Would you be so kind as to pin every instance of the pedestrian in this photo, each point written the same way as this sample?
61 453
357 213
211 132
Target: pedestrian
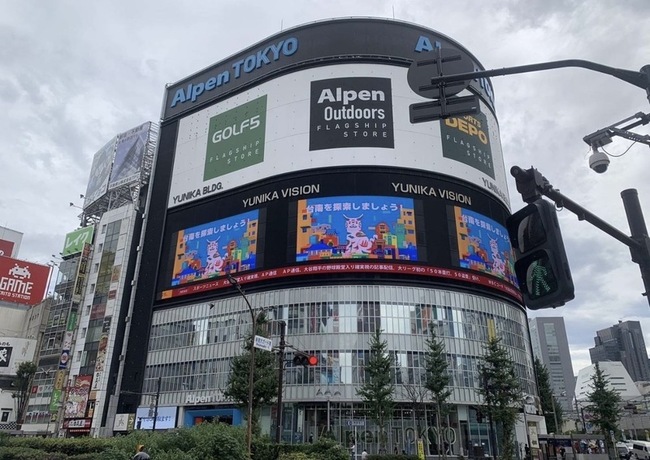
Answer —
562 452
141 454
353 448
311 438
364 455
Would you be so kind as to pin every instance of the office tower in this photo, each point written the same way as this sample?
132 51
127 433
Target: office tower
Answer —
551 347
623 342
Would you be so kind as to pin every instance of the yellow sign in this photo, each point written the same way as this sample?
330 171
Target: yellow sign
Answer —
420 450
492 330
59 380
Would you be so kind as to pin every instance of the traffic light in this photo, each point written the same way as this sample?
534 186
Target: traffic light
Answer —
303 359
541 263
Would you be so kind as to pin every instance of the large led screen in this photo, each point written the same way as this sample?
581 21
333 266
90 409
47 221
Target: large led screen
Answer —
356 227
483 245
215 248
339 223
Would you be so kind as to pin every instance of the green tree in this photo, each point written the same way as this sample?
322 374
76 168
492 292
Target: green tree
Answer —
501 393
604 404
22 387
437 381
265 387
379 385
547 398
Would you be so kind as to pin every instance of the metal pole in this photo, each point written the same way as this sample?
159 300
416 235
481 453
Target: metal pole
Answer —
328 414
155 410
639 233
488 401
554 414
251 372
251 381
527 432
278 421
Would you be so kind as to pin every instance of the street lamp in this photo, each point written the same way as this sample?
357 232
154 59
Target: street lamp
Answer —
557 427
251 372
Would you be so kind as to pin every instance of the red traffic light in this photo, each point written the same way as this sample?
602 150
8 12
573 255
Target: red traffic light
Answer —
305 360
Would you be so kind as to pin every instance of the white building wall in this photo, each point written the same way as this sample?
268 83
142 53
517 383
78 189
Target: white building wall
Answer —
617 376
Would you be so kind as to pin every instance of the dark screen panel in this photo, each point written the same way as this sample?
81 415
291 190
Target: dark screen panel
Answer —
357 221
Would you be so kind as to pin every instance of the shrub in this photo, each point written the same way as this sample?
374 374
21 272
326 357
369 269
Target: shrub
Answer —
294 456
392 457
28 453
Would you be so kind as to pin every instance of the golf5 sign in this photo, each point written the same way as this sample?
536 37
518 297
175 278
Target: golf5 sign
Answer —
236 139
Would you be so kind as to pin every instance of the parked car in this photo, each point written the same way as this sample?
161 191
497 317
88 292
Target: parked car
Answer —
624 452
641 450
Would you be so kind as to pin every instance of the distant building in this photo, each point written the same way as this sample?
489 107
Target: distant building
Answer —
82 339
623 342
551 347
618 379
19 338
10 242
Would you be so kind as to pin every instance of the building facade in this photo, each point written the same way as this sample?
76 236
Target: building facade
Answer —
623 342
293 167
23 285
551 347
83 338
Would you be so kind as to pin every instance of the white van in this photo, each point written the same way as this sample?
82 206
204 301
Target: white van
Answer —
641 450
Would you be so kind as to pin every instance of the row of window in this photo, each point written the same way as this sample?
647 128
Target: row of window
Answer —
334 367
336 318
324 319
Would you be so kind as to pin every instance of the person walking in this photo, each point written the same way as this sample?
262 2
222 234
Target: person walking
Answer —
141 454
364 455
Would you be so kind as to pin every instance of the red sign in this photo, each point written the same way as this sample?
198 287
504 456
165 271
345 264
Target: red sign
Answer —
22 282
79 425
350 267
6 248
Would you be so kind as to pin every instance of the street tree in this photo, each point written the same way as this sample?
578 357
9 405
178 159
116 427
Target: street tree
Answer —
604 404
550 405
379 385
502 395
22 384
437 382
417 395
265 387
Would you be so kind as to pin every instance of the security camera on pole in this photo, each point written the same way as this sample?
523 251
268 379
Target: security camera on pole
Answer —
541 262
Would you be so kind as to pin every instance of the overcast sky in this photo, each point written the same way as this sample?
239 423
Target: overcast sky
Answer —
75 74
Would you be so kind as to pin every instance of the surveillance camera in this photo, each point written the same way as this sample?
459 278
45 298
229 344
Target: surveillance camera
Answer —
599 161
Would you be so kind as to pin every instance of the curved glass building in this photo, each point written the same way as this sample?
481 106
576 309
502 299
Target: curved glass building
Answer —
297 167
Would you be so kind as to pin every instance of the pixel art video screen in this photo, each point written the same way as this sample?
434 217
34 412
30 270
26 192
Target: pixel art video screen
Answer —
356 227
212 249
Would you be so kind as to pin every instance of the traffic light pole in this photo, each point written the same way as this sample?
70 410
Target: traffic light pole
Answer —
532 185
278 421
